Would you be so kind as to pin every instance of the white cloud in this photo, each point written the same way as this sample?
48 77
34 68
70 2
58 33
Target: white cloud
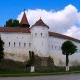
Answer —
65 21
74 31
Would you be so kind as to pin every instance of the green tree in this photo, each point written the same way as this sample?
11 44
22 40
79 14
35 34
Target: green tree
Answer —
15 23
12 23
68 48
1 49
9 23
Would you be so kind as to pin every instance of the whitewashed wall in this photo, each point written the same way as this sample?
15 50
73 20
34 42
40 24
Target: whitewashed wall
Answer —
40 40
56 52
16 45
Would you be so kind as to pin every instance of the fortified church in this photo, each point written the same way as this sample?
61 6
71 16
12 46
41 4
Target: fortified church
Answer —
18 41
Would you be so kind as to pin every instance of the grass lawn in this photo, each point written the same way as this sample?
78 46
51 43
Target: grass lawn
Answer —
12 69
19 73
36 74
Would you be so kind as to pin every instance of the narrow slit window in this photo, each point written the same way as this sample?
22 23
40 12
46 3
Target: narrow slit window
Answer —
35 34
24 44
41 34
14 44
52 46
9 44
29 44
19 44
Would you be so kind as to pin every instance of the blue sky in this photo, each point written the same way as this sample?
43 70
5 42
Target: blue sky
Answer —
11 8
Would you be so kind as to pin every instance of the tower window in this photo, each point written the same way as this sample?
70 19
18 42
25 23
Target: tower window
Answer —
19 44
41 34
14 44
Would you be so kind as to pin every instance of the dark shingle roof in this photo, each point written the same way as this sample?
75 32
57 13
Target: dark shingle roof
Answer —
40 23
24 19
62 36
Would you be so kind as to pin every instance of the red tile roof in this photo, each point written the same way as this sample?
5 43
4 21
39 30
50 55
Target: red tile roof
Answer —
14 29
40 23
62 36
27 30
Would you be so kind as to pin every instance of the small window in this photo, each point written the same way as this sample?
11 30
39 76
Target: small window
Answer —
55 47
29 44
24 44
52 46
35 34
19 44
14 44
41 34
9 44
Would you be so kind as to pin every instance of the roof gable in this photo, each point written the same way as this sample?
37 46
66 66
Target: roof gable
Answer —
40 23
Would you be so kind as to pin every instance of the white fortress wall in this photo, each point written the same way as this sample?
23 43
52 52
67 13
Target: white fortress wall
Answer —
16 44
56 52
40 40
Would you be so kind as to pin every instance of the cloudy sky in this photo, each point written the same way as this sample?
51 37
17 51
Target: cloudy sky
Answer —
62 16
65 21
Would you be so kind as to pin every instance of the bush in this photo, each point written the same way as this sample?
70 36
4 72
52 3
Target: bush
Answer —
10 65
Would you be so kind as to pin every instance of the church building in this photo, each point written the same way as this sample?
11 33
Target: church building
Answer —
18 41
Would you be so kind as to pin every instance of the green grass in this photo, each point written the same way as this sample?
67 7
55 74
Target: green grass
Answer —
10 68
19 73
35 74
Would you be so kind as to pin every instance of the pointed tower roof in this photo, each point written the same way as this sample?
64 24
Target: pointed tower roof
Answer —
24 21
40 23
